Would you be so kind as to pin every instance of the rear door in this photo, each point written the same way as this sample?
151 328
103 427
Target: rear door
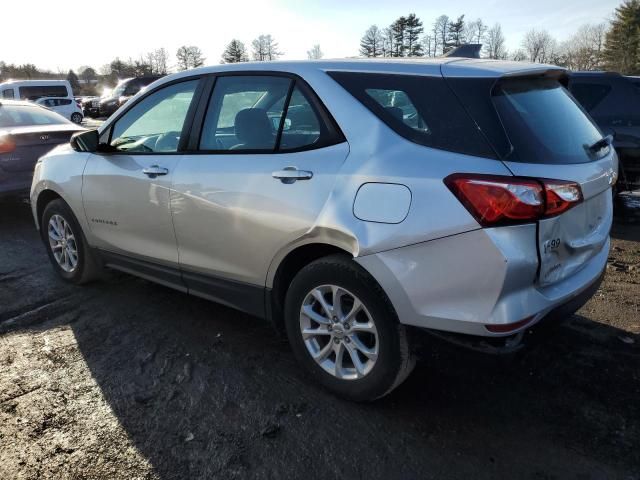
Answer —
552 138
255 181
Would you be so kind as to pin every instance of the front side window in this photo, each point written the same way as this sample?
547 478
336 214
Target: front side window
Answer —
155 123
244 113
8 93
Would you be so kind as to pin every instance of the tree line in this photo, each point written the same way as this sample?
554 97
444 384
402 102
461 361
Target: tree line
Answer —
611 46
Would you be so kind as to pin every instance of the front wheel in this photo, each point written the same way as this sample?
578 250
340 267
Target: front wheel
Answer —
344 331
66 245
76 118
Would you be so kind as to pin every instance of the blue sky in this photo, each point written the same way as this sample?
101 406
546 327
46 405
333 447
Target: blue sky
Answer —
129 28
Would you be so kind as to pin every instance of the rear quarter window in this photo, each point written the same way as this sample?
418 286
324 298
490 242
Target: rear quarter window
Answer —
422 109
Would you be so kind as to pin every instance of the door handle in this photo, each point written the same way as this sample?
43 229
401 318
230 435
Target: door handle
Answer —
154 171
292 174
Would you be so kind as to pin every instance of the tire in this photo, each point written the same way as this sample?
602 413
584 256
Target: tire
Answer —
386 343
86 267
76 118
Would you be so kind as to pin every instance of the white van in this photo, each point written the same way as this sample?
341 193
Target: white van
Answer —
35 89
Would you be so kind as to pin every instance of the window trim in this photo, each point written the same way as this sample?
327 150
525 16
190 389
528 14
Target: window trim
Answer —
105 148
329 128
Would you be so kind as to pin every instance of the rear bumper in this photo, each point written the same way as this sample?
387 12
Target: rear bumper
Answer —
462 283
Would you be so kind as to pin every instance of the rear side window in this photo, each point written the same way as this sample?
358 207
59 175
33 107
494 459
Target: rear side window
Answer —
543 122
24 115
421 109
265 114
38 91
589 94
8 93
244 113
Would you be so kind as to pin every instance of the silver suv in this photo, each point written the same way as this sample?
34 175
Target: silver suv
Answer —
345 201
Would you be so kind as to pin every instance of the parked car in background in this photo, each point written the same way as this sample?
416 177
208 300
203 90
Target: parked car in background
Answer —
123 92
66 107
347 201
35 89
27 131
613 101
88 107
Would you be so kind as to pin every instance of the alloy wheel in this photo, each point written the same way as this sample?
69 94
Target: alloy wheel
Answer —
62 242
338 332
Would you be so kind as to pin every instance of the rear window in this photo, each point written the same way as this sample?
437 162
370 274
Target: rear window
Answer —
421 109
24 115
589 94
34 92
544 123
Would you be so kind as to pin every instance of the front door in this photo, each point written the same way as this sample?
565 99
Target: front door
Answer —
126 191
266 164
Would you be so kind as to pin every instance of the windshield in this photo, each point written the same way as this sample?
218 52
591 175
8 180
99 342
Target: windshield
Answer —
26 115
545 124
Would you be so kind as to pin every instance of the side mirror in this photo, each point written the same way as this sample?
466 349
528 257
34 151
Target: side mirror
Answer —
85 141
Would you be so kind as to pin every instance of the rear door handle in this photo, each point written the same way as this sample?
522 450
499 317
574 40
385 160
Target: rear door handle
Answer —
292 174
154 171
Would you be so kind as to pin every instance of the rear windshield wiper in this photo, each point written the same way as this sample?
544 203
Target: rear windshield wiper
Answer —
600 144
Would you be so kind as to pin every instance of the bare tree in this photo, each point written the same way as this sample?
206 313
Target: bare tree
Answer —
440 31
583 51
189 57
371 42
494 43
519 55
265 48
159 61
315 53
475 30
427 42
539 46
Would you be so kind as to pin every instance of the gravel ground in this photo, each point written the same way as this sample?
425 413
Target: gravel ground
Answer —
127 379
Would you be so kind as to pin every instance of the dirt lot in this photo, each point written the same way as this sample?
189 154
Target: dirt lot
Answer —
126 379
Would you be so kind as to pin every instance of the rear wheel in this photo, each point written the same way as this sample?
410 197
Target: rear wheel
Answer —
76 118
344 331
66 245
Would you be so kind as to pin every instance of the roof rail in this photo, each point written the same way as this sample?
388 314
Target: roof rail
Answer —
467 50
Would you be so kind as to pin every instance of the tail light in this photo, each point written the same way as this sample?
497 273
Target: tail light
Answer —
7 145
496 200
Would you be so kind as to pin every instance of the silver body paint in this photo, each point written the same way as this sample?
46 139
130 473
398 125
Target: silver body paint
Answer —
224 215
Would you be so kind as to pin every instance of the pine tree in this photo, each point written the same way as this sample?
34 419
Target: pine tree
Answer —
371 43
398 31
622 44
455 34
73 80
413 30
235 52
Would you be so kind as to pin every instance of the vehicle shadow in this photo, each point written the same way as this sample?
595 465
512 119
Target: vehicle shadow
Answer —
206 392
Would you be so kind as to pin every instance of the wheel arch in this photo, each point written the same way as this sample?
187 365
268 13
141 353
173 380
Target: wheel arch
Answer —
44 198
286 270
